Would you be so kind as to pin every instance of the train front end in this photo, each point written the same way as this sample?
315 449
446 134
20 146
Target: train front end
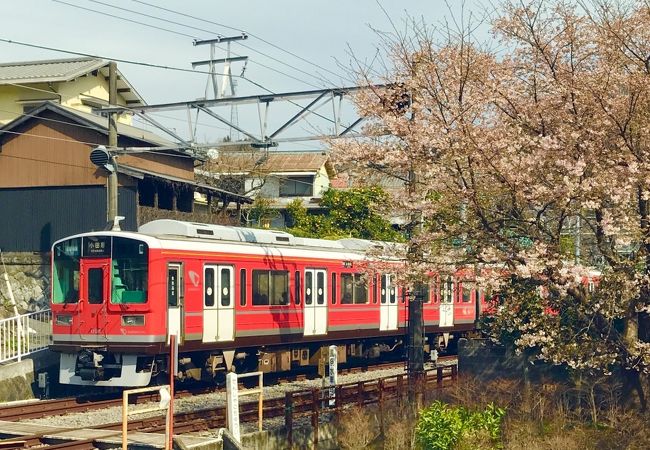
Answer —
105 324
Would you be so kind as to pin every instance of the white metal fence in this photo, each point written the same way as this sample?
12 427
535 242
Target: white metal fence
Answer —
25 334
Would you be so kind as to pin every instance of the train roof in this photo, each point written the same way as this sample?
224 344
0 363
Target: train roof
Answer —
175 229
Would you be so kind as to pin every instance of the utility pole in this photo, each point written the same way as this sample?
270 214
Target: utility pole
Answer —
227 83
112 141
415 338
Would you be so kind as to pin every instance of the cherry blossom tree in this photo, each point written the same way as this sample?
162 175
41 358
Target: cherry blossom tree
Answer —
531 160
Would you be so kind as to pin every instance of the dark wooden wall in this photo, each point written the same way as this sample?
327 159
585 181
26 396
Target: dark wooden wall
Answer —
31 219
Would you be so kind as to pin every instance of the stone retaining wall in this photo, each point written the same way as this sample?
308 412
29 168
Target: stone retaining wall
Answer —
29 276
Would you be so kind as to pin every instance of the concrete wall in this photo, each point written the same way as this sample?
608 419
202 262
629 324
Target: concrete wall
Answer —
29 276
302 438
481 358
18 381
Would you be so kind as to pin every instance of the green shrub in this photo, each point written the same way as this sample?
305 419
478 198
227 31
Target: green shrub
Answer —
441 427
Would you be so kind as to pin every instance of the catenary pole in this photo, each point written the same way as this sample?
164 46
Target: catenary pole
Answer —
112 141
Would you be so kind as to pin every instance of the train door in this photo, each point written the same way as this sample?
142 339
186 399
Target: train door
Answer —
388 305
94 287
447 295
315 302
218 305
175 299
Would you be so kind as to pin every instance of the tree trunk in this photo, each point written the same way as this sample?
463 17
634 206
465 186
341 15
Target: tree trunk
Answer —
632 382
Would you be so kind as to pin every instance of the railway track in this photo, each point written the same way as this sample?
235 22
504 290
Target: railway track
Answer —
54 407
302 403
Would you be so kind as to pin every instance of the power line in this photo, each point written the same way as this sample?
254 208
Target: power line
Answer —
123 18
175 32
207 31
151 65
250 34
138 63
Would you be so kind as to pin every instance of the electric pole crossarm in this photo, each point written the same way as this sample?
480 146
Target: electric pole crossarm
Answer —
227 122
161 127
219 61
298 115
220 39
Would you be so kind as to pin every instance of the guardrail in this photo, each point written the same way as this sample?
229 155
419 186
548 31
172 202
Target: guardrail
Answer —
314 402
25 334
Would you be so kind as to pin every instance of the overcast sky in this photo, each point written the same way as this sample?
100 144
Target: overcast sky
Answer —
320 33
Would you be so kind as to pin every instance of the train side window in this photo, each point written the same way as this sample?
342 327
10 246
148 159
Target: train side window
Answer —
320 288
270 287
334 288
226 289
208 287
374 289
449 291
297 287
347 288
360 289
308 288
242 287
96 286
383 288
174 284
393 294
467 291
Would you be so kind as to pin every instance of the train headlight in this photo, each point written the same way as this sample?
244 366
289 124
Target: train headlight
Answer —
63 319
133 321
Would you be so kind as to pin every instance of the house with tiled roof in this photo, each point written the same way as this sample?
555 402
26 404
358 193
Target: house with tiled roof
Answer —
49 188
281 177
78 83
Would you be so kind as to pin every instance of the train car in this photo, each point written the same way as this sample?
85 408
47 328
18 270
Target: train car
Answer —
235 298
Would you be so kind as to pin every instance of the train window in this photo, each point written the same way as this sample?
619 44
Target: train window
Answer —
354 289
347 288
308 287
447 296
65 283
297 287
225 287
393 294
374 289
422 291
242 287
467 291
208 287
130 270
270 287
383 288
96 286
334 288
174 284
320 288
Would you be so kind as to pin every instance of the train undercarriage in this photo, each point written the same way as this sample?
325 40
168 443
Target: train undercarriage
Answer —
98 366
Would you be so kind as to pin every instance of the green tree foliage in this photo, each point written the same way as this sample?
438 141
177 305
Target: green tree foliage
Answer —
442 427
351 213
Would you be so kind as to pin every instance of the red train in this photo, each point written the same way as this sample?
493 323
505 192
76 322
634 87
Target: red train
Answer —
237 299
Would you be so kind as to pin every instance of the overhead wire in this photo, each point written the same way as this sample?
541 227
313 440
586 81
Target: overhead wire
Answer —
144 64
178 33
249 33
173 22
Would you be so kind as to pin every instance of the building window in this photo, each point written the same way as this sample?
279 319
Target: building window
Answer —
297 186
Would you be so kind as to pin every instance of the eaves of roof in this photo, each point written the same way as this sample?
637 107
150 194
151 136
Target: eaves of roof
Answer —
95 122
139 173
64 70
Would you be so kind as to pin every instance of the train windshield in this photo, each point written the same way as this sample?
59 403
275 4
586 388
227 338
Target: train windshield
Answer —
65 283
128 269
